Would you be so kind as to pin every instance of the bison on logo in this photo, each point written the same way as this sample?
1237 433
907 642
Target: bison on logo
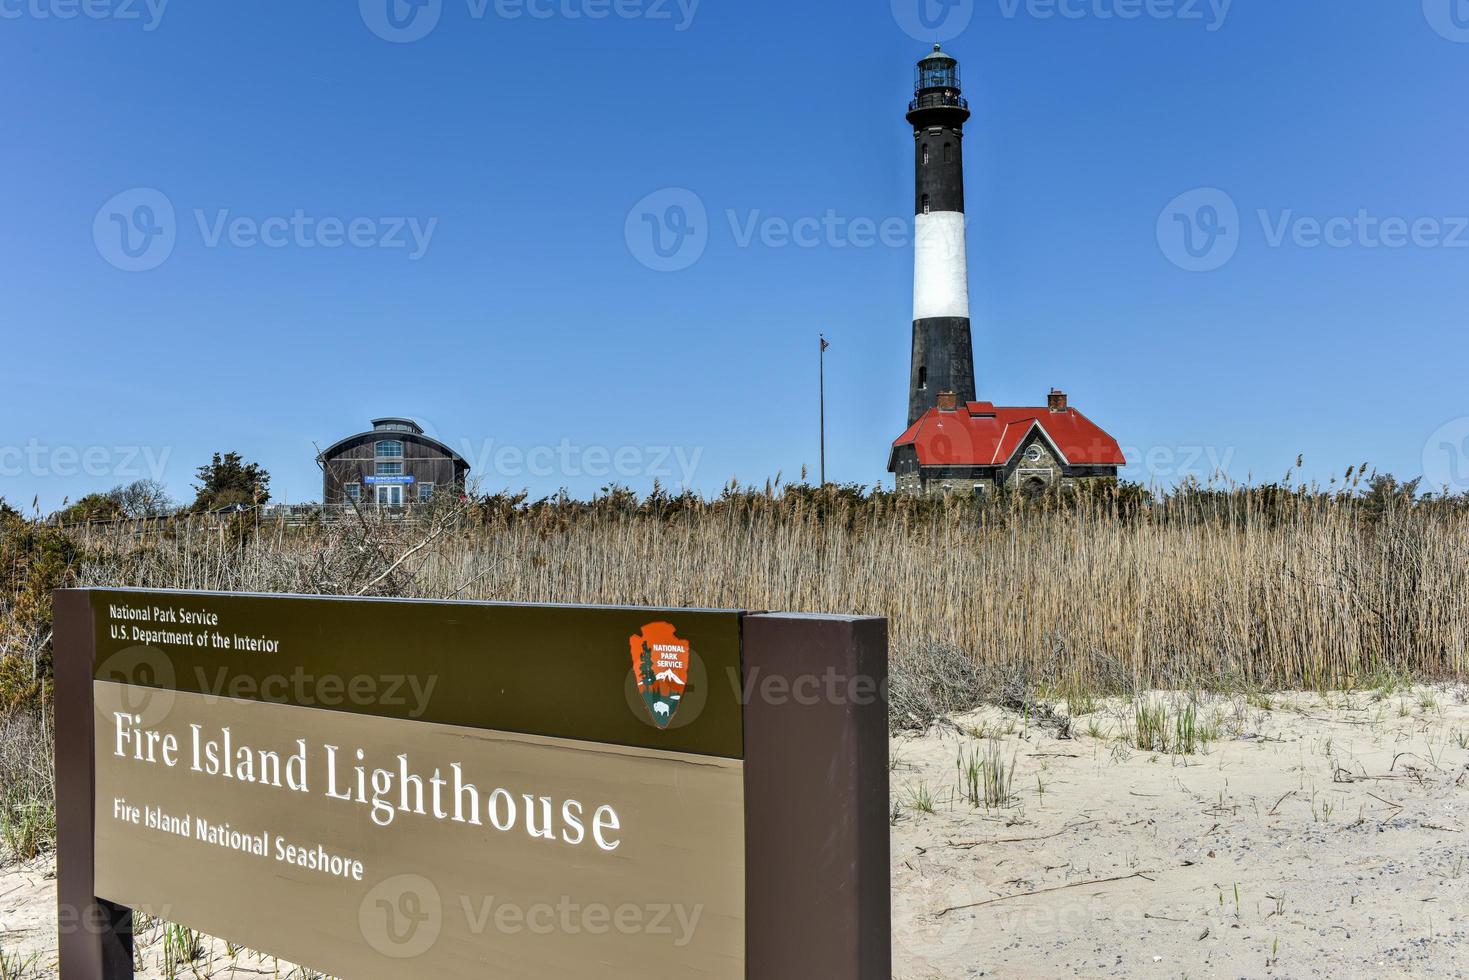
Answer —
660 662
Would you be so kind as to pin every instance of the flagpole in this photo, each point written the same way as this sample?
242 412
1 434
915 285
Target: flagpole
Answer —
821 356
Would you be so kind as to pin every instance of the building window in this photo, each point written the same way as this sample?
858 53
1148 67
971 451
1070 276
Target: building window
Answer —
925 154
425 492
922 378
390 449
354 492
948 152
925 204
389 469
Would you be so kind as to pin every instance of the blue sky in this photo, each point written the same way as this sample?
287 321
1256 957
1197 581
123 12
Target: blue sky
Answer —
451 227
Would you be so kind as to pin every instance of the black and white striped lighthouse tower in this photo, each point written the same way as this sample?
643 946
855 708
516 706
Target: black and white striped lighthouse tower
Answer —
943 355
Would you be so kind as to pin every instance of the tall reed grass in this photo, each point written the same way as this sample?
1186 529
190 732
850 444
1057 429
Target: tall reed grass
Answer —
1267 587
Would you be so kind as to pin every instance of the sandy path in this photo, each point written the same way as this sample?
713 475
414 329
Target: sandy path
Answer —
1318 837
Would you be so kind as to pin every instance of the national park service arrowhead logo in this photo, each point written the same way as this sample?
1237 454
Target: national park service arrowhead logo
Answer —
660 663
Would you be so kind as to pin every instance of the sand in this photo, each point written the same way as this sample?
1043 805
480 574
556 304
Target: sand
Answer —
1326 836
1321 835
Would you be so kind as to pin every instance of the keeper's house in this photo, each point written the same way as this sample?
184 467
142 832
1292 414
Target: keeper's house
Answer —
975 447
392 465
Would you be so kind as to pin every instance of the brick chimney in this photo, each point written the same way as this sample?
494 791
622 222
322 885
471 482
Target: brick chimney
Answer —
1057 400
948 401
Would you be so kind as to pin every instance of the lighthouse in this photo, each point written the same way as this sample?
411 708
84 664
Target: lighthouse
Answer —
955 443
943 355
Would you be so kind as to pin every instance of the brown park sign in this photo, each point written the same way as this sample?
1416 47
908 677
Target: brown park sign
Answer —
395 788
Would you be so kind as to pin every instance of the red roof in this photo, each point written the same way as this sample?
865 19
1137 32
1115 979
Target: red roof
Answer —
979 434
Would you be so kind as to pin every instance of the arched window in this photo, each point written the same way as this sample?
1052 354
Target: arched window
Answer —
390 449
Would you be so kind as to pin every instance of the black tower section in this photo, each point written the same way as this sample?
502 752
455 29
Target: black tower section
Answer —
943 357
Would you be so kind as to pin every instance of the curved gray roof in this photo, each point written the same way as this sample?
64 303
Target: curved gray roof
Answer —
375 435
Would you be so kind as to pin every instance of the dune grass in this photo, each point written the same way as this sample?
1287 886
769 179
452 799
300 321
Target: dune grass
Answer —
1265 588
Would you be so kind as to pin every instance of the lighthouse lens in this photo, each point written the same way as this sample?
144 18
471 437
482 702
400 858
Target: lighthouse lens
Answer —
939 75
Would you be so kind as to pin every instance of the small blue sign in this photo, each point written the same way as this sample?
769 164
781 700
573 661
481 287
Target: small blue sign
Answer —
387 479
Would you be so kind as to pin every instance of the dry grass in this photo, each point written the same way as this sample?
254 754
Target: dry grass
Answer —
1265 588
27 789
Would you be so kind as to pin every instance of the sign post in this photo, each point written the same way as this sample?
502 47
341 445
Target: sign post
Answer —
96 936
388 788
